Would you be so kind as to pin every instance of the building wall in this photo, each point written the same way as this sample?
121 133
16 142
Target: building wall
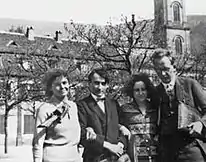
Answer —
166 29
172 34
26 136
12 129
159 28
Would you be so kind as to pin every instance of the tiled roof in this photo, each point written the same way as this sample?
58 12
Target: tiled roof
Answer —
42 45
47 45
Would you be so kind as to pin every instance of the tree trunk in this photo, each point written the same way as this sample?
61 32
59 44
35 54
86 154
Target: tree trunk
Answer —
19 127
6 132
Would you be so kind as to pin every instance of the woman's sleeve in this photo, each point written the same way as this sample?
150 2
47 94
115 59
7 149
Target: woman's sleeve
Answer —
39 135
121 115
76 122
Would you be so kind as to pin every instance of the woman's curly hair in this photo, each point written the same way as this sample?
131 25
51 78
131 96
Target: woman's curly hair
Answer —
129 86
50 77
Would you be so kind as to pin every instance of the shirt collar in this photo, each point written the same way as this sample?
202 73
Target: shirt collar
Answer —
169 86
53 100
95 97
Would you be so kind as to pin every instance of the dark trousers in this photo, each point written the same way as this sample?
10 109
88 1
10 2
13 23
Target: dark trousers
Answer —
179 148
112 158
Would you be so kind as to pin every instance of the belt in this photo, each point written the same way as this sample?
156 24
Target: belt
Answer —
52 144
146 151
148 128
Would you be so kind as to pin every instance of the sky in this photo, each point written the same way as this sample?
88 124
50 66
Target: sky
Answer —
86 11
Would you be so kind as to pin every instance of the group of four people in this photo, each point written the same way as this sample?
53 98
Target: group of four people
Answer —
146 129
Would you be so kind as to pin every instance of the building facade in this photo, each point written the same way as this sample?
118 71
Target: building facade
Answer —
171 28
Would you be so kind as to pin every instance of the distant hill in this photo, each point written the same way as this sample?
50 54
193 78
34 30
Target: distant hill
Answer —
40 27
49 27
197 25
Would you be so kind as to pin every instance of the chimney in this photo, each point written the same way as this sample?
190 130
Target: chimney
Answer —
30 33
57 36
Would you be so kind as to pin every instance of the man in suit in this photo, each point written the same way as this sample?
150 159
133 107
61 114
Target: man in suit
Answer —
99 122
179 144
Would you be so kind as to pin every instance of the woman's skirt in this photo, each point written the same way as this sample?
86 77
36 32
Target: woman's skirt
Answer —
62 153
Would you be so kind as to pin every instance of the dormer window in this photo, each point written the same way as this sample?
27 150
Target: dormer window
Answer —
53 62
12 43
53 47
26 65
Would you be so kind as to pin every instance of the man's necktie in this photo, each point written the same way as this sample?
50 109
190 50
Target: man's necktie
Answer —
100 99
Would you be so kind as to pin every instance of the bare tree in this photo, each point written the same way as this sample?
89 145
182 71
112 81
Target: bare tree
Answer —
14 89
115 44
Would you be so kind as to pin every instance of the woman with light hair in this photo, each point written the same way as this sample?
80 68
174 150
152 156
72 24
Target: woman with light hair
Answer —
57 129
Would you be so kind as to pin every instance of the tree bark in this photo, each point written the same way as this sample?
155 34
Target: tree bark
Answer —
19 127
6 132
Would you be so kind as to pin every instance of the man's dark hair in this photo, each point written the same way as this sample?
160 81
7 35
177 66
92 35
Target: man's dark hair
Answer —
101 72
160 53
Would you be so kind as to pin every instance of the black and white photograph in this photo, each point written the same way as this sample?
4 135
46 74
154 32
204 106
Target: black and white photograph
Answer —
103 81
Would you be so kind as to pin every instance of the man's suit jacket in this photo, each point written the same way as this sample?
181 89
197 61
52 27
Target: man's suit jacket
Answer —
105 126
191 93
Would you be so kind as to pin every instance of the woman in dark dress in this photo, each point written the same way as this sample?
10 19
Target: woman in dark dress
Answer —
140 117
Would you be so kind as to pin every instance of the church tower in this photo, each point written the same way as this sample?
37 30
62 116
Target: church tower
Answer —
171 30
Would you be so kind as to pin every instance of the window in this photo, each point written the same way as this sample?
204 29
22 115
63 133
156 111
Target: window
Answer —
53 62
178 45
28 124
176 12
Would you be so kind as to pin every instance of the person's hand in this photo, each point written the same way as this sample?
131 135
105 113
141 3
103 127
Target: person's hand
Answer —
121 145
90 135
195 127
124 158
125 131
117 149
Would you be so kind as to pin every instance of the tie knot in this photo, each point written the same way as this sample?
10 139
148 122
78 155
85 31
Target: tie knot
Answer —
169 87
170 92
100 99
